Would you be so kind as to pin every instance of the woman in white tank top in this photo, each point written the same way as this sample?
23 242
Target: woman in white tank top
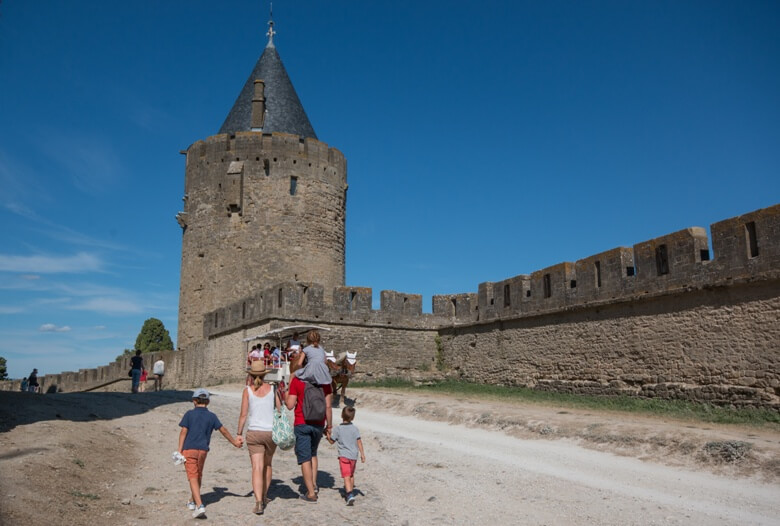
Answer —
257 413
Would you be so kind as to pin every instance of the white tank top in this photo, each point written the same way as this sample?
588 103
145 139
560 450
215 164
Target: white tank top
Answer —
261 411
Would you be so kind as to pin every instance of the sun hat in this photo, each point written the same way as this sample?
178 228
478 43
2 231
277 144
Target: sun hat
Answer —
257 368
201 393
351 357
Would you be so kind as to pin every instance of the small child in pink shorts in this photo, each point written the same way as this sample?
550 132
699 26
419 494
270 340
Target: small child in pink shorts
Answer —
347 437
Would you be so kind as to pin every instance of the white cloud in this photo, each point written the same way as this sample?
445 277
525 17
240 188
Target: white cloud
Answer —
109 306
51 264
56 230
50 327
8 309
18 182
20 210
91 161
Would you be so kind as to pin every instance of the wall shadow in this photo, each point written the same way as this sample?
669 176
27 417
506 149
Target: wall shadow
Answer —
17 408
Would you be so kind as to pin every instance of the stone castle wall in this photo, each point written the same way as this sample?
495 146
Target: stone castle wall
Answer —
258 209
717 345
665 318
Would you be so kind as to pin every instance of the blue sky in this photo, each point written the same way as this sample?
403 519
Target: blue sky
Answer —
484 140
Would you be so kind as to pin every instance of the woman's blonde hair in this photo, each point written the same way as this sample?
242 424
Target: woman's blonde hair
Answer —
257 381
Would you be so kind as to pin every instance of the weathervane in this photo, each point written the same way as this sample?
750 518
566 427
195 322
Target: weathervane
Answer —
271 31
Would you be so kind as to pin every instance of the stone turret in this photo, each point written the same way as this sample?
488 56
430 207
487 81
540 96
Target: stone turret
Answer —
265 202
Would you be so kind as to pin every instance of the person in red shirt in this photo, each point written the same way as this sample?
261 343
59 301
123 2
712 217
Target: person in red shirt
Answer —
267 352
308 434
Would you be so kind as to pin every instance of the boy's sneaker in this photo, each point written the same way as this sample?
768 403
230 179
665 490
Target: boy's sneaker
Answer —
200 511
350 499
191 506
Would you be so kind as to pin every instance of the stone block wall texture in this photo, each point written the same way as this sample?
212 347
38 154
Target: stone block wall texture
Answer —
718 345
259 209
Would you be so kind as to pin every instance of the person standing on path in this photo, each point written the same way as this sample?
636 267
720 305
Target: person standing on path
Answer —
158 370
32 381
197 424
257 412
136 369
142 381
308 432
347 436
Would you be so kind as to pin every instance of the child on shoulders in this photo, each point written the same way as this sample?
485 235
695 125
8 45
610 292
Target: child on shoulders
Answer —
315 370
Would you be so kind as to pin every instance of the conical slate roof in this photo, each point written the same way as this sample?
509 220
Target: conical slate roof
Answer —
284 111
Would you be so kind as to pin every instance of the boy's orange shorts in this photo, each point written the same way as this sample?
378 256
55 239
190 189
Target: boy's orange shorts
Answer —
196 458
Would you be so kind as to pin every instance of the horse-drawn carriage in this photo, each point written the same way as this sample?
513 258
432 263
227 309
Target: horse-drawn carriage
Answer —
341 366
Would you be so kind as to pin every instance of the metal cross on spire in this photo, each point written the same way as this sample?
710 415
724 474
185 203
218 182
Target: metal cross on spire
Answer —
271 31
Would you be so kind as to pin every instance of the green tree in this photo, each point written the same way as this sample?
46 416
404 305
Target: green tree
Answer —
3 369
153 337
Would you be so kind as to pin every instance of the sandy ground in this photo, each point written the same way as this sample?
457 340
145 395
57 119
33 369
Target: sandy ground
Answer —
105 458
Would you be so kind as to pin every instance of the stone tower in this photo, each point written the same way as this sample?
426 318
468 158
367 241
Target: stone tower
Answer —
264 202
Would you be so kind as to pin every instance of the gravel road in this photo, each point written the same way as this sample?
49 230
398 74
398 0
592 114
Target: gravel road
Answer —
104 458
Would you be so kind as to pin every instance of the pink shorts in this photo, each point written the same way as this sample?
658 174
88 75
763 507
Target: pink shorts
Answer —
196 458
347 466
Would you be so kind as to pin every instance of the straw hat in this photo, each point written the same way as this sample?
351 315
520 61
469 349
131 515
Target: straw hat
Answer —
257 368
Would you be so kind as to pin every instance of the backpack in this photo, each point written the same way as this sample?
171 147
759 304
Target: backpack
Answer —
313 402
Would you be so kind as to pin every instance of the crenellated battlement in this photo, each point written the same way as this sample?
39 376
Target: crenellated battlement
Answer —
680 261
295 300
746 247
246 145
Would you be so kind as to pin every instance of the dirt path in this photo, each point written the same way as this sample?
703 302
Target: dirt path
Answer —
104 458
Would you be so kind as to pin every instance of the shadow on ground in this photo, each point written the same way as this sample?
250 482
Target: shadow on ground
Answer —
18 408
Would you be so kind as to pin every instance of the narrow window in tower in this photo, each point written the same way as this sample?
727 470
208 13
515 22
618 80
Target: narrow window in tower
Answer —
243 310
454 306
267 167
662 260
280 298
630 271
752 239
216 320
293 184
507 299
547 286
597 266
352 295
